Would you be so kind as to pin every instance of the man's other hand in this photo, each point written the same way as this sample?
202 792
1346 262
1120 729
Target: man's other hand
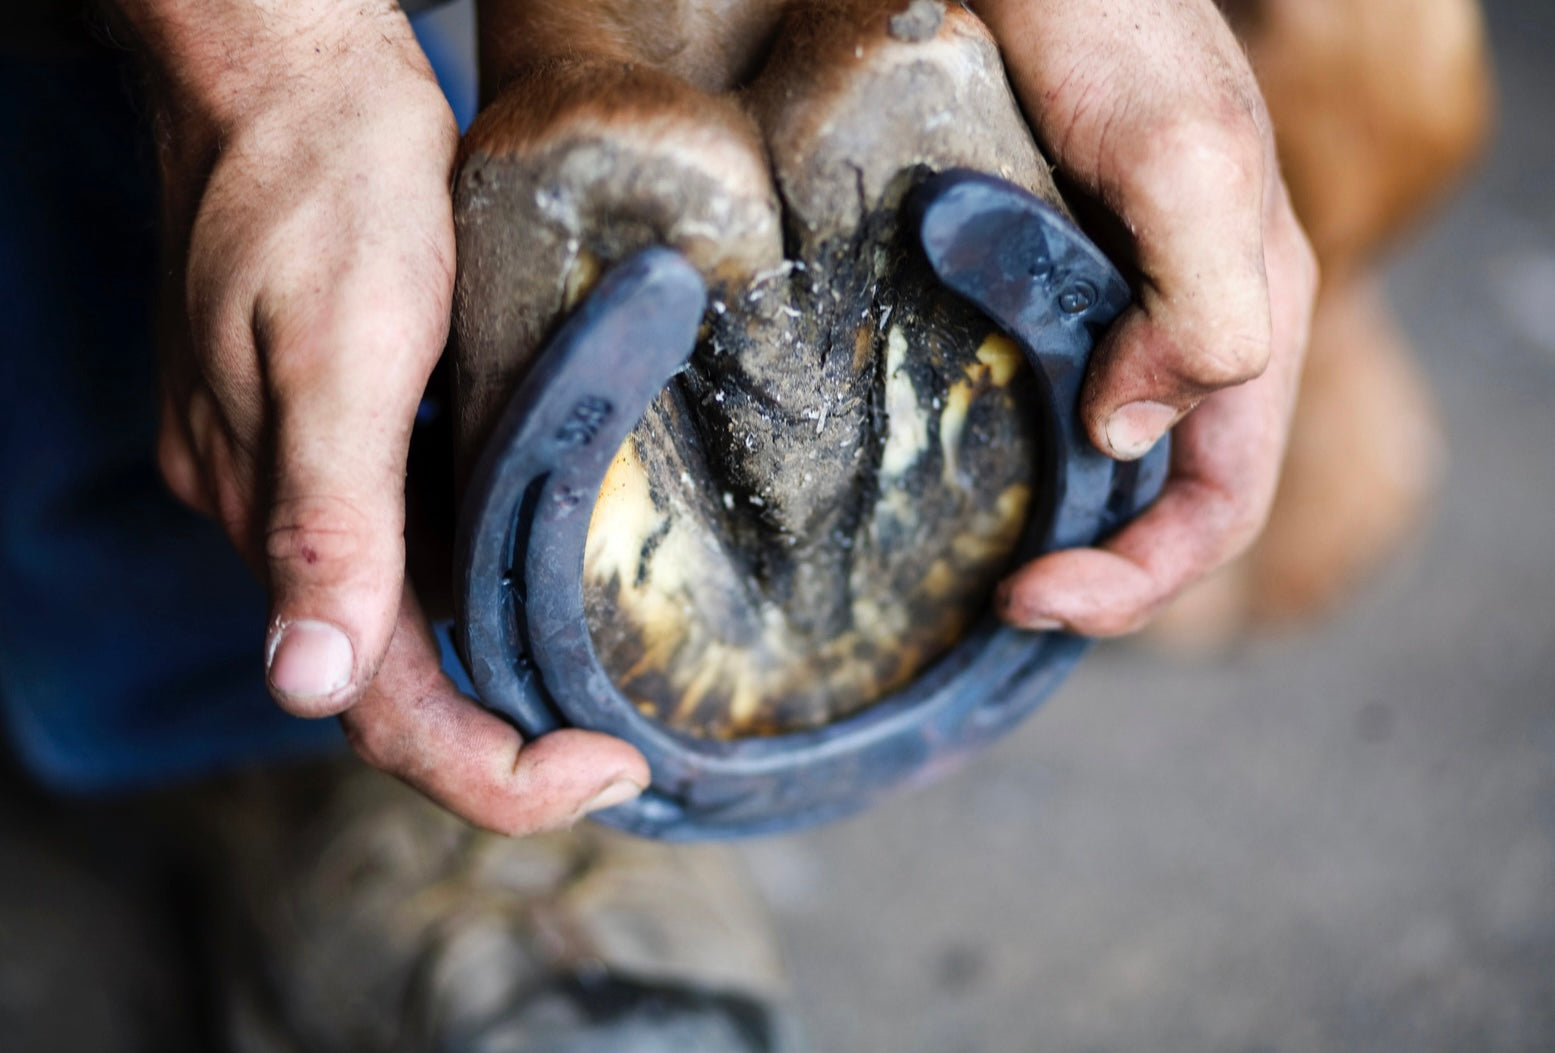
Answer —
1150 109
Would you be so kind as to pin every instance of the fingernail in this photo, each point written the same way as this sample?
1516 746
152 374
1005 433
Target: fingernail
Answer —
1134 428
618 792
310 659
1009 610
1034 623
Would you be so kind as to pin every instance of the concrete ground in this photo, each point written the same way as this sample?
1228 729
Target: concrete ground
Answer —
1345 840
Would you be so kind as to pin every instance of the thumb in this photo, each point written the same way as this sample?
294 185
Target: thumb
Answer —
335 536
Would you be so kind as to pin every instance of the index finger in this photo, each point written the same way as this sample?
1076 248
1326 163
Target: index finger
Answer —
1196 195
1152 110
1225 465
413 723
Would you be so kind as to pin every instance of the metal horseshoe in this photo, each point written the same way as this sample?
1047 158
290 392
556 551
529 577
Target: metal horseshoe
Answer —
521 629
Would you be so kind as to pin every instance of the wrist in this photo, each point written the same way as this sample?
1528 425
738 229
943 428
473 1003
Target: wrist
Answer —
217 66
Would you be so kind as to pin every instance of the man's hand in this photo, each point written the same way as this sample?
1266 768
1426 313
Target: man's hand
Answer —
306 152
1150 108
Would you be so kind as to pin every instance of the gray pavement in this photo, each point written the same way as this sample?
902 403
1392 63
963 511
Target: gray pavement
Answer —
1343 840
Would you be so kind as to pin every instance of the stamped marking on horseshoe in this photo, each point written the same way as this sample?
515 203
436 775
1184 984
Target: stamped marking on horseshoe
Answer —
583 423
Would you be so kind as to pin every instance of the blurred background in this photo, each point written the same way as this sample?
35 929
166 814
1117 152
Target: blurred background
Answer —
1341 839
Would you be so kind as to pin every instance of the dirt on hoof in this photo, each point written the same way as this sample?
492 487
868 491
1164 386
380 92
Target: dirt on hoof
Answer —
821 504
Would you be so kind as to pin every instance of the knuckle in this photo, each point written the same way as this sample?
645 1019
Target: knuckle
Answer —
1220 150
378 746
1246 523
1241 519
326 535
1232 361
358 380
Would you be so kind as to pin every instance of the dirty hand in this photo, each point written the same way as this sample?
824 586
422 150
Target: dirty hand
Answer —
306 152
1149 107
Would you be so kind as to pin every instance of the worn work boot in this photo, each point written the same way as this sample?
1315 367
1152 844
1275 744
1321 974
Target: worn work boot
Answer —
352 915
89 957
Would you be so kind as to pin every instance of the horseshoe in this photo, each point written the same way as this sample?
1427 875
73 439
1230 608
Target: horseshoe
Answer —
521 630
